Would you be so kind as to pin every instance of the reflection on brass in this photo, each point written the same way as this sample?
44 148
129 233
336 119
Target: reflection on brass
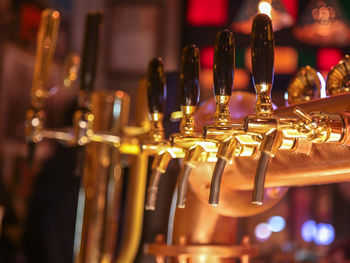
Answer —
70 70
96 227
338 79
46 44
305 86
263 105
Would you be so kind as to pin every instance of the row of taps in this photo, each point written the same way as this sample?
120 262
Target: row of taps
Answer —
261 134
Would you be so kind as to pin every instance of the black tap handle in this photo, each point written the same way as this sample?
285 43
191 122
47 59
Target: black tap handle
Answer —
90 49
189 76
262 49
224 63
156 86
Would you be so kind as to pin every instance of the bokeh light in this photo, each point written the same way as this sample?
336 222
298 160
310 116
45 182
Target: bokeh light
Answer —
325 234
309 230
276 223
262 231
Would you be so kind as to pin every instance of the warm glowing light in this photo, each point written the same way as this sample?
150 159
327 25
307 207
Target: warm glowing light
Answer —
265 8
55 14
262 231
276 223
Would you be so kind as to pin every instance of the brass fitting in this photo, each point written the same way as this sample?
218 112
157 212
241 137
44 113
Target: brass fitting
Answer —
305 86
338 77
157 129
222 113
35 120
187 122
263 106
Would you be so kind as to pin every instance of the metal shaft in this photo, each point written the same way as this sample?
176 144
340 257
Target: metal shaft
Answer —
152 190
216 182
183 185
259 181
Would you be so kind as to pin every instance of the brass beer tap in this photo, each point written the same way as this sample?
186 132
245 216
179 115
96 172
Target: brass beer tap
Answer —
46 45
223 131
197 148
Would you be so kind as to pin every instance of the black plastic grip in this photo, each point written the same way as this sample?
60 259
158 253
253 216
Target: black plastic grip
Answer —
224 63
262 49
189 76
156 86
90 50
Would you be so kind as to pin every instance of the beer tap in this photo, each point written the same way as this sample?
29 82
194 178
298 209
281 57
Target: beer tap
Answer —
83 118
223 131
157 145
46 45
197 148
263 122
279 132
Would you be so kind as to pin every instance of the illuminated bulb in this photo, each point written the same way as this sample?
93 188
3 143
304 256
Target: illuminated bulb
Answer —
308 230
325 234
276 223
262 231
265 8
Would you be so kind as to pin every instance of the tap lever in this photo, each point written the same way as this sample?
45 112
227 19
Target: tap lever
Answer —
224 63
223 69
183 186
90 49
262 56
302 114
156 94
189 87
189 76
262 49
156 86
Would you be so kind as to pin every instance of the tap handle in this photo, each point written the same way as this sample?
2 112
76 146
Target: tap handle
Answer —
156 86
262 50
46 45
189 76
224 63
90 49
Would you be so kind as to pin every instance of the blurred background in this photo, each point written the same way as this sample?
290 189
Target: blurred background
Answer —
311 224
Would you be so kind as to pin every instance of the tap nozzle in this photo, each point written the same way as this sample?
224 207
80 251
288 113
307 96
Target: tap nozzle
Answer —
159 166
216 181
225 153
152 190
183 186
193 156
268 148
